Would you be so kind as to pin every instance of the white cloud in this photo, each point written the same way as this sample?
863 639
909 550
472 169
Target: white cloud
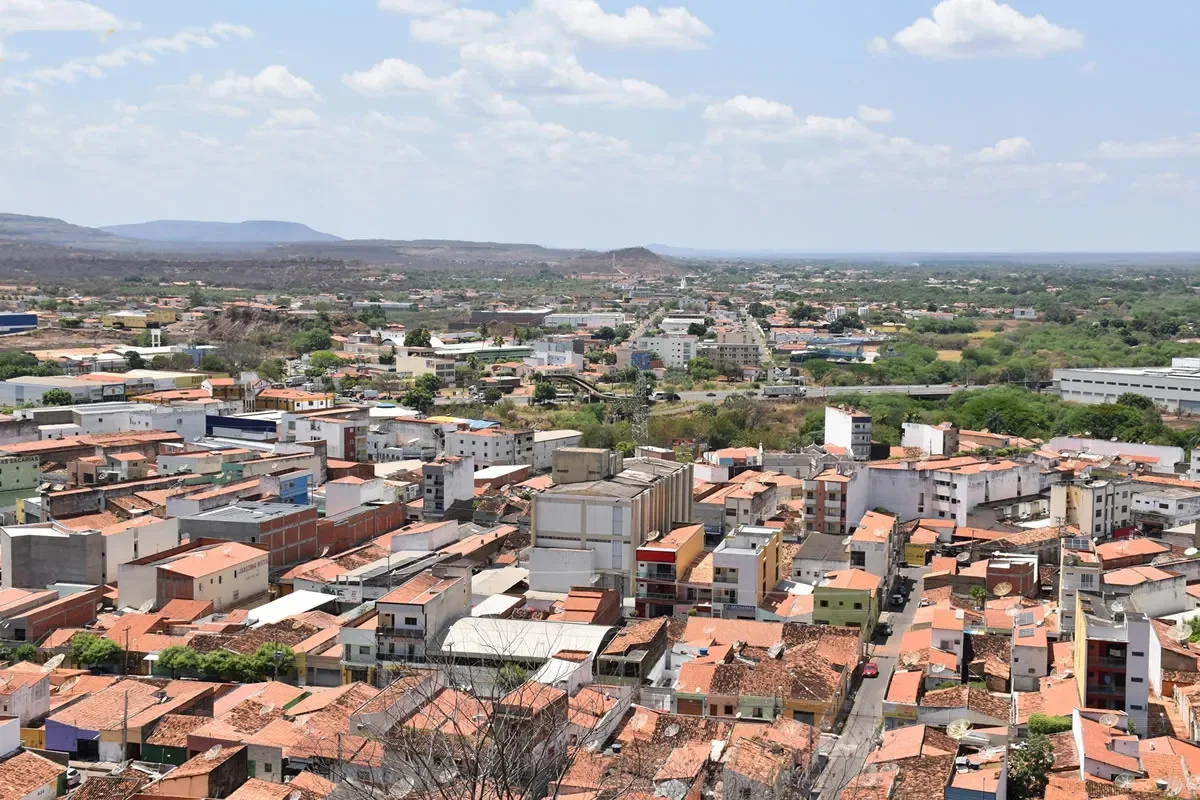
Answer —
1166 183
872 114
528 140
1039 175
879 45
974 28
1087 68
207 141
399 124
397 75
293 118
145 52
454 26
53 15
414 6
666 27
747 109
272 83
1165 147
223 109
1008 149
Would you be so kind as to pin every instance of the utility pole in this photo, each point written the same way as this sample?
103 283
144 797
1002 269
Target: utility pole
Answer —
125 727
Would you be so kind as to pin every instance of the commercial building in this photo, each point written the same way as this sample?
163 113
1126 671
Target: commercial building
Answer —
673 351
1156 509
594 525
679 324
951 488
288 531
849 430
735 347
29 389
1098 507
414 616
46 553
17 322
345 436
1155 458
1175 388
292 400
746 566
584 319
492 446
225 574
414 366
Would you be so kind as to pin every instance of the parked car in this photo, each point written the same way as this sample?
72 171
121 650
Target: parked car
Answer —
897 601
73 776
870 670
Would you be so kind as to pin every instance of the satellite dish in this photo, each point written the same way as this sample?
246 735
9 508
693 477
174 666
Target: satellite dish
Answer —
54 663
146 607
1180 633
1123 547
958 728
324 551
68 684
1119 606
963 558
295 794
266 710
1191 551
213 752
1109 720
1159 560
847 540
910 658
1123 781
672 731
937 668
1002 589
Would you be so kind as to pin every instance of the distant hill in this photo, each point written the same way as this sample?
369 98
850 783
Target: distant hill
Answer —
259 231
25 229
630 260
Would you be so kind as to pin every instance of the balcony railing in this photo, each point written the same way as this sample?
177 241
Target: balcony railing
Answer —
403 633
1107 661
657 574
647 593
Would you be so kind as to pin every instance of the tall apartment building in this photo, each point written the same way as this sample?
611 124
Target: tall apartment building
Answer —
875 545
1098 507
414 615
594 525
1118 658
673 351
736 347
850 430
834 501
745 567
447 486
660 564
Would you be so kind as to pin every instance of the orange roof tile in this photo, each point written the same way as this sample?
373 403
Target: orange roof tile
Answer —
904 687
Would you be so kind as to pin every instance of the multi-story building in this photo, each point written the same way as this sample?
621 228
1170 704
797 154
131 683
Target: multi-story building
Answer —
344 434
292 400
834 501
1098 507
1174 388
47 553
875 545
951 488
289 531
1156 458
933 440
414 615
679 324
660 564
492 446
743 503
673 351
849 430
414 366
849 598
746 566
819 555
1118 657
447 486
1156 509
225 574
736 347
600 510
546 442
584 319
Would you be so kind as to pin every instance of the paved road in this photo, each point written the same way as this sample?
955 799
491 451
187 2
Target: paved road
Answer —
861 730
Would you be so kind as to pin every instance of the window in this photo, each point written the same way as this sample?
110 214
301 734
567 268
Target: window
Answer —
712 710
824 604
758 713
267 766
1137 680
410 620
1136 707
1137 654
729 711
858 606
1087 581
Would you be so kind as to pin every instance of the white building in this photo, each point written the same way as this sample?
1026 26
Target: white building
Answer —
745 567
224 574
585 319
850 430
546 442
1156 458
447 484
1165 507
949 488
933 440
24 694
1176 388
414 366
874 545
1024 313
679 324
414 615
595 525
345 494
492 446
1096 507
674 351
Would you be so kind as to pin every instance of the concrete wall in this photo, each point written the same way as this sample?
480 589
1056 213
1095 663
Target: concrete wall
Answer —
36 560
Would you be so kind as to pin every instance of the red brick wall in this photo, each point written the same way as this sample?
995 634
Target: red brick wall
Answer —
291 539
76 611
341 535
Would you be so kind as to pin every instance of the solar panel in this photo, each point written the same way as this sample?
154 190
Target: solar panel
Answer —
1025 633
1026 618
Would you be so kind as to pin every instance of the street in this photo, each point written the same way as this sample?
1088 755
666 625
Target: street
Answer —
860 732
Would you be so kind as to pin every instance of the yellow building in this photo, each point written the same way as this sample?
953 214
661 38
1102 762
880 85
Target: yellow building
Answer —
138 319
916 549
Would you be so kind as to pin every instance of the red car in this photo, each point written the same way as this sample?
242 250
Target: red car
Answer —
870 670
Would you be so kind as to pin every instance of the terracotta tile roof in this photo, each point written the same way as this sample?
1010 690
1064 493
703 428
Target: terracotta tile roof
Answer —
313 785
419 589
1097 741
533 696
904 687
1130 548
203 764
187 610
205 561
25 773
851 579
700 571
872 785
757 760
635 635
923 778
172 730
948 619
912 741
1066 756
1135 576
728 631
874 527
685 763
978 700
111 787
450 711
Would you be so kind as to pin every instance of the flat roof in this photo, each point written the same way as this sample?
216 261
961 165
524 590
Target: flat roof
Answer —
249 512
289 605
523 639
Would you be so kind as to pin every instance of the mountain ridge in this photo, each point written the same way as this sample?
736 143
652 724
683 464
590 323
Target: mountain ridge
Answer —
205 232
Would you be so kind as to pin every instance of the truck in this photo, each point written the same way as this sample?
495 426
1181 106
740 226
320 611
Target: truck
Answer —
788 390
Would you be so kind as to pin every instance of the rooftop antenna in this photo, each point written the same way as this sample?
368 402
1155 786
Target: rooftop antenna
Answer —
1109 720
146 607
1123 781
1002 589
54 663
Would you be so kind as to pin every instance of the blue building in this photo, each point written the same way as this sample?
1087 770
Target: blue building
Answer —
17 322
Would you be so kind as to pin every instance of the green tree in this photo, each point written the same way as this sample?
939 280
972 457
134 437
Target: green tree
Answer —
1138 401
56 397
324 360
222 665
702 369
492 395
418 337
1028 766
88 650
978 594
428 382
211 362
25 652
271 369
270 660
1047 724
388 357
760 310
543 392
510 676
134 359
697 329
626 448
419 399
179 658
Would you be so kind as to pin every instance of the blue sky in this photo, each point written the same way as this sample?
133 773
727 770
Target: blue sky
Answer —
749 124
